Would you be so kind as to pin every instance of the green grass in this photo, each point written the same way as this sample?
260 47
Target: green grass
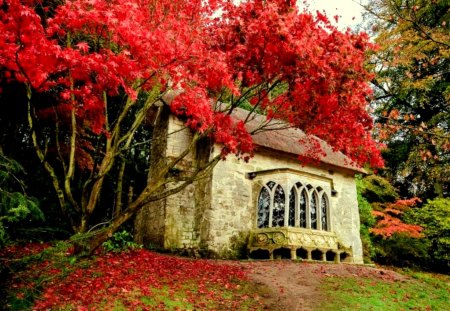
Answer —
419 291
166 299
169 300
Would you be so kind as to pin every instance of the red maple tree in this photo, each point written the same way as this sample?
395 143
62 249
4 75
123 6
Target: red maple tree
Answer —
389 220
106 64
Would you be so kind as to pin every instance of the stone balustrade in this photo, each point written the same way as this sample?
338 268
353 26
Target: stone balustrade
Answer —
288 242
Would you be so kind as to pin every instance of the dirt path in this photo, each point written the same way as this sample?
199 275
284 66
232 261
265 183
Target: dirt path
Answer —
295 286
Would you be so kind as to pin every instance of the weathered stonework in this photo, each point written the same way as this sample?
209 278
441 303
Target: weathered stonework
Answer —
296 240
150 221
211 212
235 196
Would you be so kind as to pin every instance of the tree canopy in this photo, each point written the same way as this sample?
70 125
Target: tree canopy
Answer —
412 92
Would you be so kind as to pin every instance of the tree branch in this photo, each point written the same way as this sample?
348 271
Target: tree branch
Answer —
47 166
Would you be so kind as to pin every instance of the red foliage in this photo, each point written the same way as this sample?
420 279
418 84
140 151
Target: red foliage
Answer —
128 275
91 48
321 67
20 251
389 221
403 205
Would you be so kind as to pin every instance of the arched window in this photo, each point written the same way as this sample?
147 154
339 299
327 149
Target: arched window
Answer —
297 206
307 207
302 209
313 210
279 200
324 212
292 204
263 208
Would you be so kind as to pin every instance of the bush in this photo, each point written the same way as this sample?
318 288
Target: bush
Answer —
15 205
367 221
368 247
238 246
401 251
396 240
121 241
434 216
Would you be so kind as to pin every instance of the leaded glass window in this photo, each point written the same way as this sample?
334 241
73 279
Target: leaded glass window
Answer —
263 208
302 210
292 202
279 200
313 211
324 210
307 207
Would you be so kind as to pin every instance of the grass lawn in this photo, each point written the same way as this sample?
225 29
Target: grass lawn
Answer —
417 291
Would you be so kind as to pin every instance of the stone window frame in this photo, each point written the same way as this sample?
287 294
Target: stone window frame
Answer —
299 187
272 188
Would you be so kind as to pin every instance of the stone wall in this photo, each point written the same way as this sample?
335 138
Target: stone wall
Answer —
150 220
234 199
186 224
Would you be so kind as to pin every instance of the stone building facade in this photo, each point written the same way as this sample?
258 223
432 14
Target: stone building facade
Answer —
280 208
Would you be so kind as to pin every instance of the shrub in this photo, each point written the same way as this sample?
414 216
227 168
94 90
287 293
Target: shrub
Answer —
15 205
238 246
368 247
120 241
402 251
392 238
367 221
434 216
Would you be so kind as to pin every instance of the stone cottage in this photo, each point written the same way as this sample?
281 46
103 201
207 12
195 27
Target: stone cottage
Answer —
273 204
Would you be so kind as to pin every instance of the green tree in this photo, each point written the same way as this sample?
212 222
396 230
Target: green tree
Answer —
434 216
412 92
391 237
375 188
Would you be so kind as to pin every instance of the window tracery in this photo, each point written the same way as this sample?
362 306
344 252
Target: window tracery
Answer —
292 205
313 210
302 206
278 207
305 207
324 211
263 208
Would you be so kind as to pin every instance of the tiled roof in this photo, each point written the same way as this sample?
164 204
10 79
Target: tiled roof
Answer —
288 140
